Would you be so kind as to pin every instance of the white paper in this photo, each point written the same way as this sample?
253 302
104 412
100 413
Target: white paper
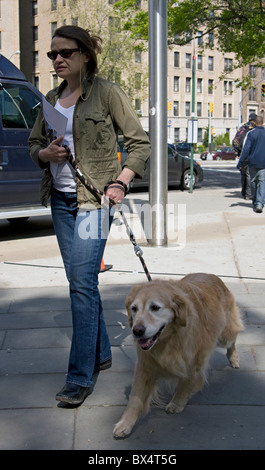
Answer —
56 121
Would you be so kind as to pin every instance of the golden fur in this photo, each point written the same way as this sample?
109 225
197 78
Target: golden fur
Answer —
177 325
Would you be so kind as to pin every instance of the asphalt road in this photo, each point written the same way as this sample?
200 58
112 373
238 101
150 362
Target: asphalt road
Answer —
35 238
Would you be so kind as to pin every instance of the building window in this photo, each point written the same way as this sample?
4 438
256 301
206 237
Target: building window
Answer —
199 85
199 109
35 33
176 134
188 85
53 5
187 108
36 82
210 63
252 94
228 65
252 71
200 40
188 61
210 87
224 110
199 62
55 81
34 8
176 59
176 108
53 27
35 59
138 80
138 106
210 39
176 84
230 110
138 56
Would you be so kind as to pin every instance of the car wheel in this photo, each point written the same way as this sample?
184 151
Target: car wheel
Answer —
218 158
186 178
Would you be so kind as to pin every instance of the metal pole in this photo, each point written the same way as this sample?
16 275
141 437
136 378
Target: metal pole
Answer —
158 120
192 117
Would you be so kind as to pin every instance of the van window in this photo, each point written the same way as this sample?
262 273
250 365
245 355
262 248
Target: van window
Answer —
19 106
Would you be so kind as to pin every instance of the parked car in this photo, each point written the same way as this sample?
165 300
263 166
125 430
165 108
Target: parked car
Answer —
19 176
179 173
184 148
222 153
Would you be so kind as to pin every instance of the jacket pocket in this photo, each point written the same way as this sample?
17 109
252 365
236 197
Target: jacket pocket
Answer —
96 129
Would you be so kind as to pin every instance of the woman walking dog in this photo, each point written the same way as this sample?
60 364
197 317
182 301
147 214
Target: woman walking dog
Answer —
95 109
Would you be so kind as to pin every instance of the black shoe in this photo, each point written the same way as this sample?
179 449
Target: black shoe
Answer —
103 366
73 394
258 209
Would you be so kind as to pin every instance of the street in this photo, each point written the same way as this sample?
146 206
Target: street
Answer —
35 239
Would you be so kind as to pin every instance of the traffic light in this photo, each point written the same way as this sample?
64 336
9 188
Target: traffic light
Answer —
210 107
169 105
263 89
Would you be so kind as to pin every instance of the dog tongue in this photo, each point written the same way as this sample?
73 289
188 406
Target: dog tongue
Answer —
145 343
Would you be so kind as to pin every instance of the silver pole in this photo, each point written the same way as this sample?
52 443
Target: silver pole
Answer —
158 120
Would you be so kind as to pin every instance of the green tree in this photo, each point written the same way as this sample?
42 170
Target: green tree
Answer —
238 26
119 46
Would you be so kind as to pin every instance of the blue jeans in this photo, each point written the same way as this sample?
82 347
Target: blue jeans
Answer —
257 177
82 237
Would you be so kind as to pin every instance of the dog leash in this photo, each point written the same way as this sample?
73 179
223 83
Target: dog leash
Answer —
138 251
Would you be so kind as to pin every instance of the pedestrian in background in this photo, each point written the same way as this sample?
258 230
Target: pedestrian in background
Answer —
237 145
254 151
96 109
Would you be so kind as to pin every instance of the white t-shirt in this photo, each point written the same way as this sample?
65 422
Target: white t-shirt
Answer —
64 174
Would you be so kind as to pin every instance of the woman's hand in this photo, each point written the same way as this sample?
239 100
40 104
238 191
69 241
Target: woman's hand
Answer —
54 152
116 191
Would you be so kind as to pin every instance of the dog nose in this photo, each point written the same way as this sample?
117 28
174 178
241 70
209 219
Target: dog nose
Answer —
139 331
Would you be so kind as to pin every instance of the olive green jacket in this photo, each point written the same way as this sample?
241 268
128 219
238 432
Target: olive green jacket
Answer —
102 109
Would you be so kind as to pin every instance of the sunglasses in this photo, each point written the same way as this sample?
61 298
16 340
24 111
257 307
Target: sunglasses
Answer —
64 53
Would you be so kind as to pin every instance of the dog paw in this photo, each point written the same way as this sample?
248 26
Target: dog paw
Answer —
122 429
234 360
174 408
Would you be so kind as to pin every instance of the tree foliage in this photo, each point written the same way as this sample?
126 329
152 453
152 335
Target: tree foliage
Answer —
119 46
238 26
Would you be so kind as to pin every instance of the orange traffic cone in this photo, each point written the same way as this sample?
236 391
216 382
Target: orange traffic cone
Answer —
104 267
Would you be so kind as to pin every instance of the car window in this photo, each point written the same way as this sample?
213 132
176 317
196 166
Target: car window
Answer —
19 106
170 151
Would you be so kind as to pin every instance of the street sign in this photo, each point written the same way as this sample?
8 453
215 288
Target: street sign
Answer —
193 131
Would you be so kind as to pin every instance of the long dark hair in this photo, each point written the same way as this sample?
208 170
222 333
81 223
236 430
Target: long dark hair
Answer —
87 43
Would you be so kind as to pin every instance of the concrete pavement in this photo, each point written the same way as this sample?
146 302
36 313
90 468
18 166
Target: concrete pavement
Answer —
211 230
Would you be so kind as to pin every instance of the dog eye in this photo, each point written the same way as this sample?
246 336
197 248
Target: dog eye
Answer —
154 307
134 308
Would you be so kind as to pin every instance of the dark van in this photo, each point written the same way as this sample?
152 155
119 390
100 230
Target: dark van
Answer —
19 176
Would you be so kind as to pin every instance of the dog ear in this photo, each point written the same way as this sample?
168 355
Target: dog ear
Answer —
181 307
129 300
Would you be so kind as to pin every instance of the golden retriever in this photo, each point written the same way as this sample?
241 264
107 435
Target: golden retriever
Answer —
177 325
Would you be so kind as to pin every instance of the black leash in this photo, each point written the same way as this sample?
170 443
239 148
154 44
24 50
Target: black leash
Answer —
91 188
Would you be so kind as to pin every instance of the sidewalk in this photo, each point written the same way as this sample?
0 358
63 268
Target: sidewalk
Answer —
224 237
